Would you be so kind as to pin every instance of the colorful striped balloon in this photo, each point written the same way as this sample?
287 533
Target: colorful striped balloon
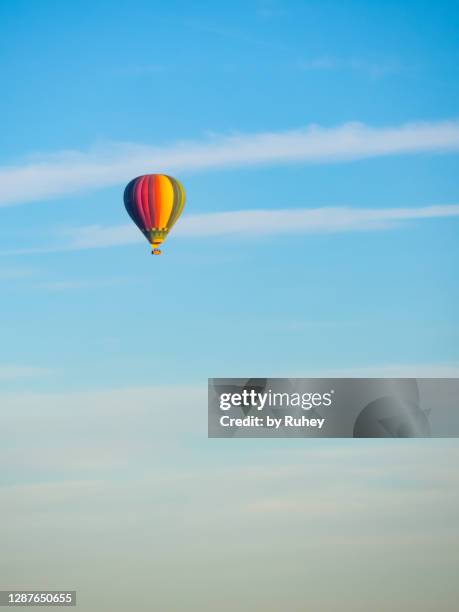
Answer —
154 202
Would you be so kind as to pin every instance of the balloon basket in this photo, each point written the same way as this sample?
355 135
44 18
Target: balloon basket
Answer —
156 252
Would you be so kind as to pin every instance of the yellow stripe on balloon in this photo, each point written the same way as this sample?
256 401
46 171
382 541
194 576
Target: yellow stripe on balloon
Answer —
167 200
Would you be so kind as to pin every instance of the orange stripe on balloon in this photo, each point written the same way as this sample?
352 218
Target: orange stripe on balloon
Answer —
167 200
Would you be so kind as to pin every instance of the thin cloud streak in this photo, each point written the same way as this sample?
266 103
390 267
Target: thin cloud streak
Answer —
265 222
339 219
251 223
66 172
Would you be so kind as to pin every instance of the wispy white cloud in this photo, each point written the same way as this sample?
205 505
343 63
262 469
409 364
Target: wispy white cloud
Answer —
339 219
255 223
67 172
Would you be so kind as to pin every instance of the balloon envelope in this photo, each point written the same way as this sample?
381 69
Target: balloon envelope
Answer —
154 202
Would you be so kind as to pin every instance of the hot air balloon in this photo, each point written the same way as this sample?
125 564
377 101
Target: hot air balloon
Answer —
154 202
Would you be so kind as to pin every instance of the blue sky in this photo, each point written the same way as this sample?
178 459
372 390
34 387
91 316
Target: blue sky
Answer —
318 143
93 82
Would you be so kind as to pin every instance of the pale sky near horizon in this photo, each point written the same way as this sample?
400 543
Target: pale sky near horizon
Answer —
318 143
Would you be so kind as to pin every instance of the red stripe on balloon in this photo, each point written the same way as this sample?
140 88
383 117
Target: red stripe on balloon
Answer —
154 202
151 199
146 209
138 202
158 200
